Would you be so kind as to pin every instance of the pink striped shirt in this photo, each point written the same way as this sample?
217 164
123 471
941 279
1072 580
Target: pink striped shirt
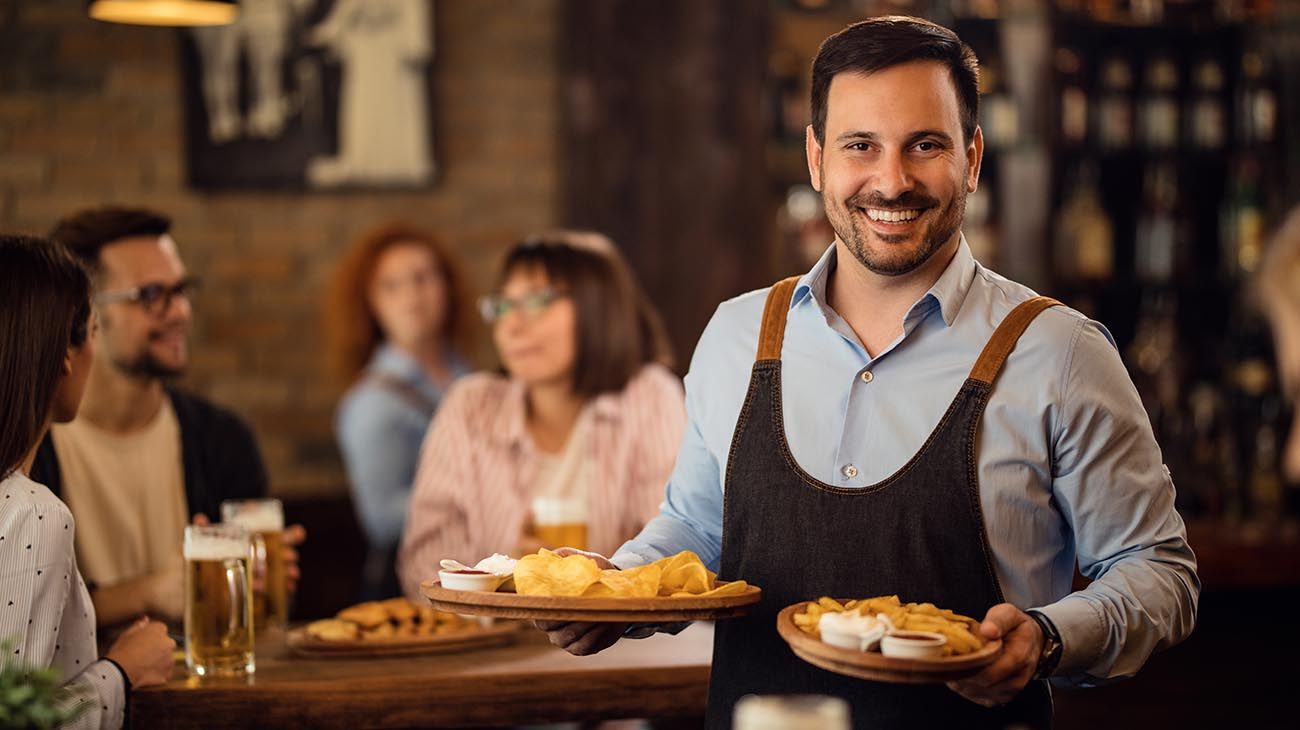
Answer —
472 491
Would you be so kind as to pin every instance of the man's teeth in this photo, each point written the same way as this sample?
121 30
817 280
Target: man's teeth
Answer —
892 216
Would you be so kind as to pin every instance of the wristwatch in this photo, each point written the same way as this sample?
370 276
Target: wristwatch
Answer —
1052 647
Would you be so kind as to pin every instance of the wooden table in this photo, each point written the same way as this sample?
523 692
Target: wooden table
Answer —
531 681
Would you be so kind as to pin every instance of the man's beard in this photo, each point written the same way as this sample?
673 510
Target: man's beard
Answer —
852 229
145 365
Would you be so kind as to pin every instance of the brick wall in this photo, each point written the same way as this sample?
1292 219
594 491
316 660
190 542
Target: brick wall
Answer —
90 114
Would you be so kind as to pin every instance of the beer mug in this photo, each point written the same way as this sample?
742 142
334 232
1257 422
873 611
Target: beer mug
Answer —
264 520
791 712
561 522
218 604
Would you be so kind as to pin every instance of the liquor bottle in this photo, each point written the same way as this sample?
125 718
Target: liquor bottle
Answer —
1146 12
1115 110
1162 239
1085 245
1073 108
1257 104
1267 496
1158 111
788 109
1241 222
999 115
1208 122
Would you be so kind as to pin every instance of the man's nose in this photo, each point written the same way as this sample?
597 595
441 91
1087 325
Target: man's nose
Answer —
892 177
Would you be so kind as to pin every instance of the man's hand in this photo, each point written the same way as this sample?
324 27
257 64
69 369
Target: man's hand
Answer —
1022 645
294 535
144 652
581 639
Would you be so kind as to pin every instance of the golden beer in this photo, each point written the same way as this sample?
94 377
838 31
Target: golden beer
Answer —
218 601
264 520
560 522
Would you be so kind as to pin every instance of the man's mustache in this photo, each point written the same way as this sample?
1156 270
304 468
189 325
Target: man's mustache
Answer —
906 201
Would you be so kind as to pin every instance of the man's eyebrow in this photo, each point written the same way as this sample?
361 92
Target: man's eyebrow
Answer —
855 134
936 134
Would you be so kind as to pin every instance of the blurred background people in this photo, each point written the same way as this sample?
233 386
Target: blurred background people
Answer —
143 458
1279 285
579 432
45 327
398 335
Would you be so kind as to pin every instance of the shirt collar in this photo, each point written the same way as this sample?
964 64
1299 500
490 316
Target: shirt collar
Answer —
390 360
949 292
510 427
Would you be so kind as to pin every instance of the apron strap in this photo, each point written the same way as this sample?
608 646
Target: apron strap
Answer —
1005 337
772 334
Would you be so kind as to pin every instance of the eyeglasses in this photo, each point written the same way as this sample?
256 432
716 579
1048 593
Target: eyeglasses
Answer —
153 298
533 303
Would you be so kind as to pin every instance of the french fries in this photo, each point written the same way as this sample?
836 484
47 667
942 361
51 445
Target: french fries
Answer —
962 631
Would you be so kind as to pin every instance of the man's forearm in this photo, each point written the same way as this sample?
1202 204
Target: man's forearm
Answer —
125 601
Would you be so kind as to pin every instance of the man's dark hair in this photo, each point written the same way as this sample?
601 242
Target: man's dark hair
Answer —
44 310
880 43
87 232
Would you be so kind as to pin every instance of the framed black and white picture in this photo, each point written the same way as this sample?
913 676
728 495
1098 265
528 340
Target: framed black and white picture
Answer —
311 94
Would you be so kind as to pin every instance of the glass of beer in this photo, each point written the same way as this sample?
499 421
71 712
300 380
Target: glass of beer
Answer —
264 520
561 522
218 601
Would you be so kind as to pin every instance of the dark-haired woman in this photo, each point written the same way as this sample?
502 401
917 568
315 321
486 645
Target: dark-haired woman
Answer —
46 616
581 431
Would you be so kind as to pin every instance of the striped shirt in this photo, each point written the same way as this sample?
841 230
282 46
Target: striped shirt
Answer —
478 467
46 617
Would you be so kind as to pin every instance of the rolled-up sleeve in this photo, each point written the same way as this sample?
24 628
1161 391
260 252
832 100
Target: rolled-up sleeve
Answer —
1113 489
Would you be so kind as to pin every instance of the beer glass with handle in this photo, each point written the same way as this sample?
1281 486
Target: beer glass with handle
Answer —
218 601
264 520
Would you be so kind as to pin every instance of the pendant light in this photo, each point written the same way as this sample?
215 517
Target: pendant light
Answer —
165 12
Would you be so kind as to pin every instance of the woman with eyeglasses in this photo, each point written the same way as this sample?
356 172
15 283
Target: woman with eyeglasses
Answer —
46 615
1279 289
396 320
573 443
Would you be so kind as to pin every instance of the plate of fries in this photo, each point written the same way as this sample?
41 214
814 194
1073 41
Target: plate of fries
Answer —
393 628
965 652
574 588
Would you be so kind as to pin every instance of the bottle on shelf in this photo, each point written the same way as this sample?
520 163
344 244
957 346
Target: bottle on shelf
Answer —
1207 121
1115 108
1162 241
1073 108
1085 241
1257 104
1158 108
1241 221
999 114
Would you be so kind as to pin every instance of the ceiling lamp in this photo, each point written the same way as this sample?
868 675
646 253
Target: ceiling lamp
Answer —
165 12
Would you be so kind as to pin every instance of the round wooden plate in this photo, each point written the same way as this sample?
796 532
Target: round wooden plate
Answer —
555 608
498 634
876 666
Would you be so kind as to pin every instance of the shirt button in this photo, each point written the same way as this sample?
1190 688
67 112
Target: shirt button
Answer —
867 377
849 471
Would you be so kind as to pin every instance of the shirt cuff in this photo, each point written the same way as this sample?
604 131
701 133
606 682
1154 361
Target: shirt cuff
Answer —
114 691
1082 633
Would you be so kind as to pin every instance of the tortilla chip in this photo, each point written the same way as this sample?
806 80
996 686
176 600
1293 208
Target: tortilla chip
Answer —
640 582
547 574
684 573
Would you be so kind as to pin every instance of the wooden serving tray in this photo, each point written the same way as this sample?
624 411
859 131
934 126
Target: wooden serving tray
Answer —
555 608
498 634
876 666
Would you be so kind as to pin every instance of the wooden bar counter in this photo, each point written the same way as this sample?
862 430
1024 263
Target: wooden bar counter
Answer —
529 681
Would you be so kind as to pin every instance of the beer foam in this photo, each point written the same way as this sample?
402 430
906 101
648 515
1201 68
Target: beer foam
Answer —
224 545
260 516
559 511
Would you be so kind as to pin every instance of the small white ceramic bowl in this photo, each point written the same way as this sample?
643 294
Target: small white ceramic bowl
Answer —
458 581
852 639
913 644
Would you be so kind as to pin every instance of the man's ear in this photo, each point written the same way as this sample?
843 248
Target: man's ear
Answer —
814 153
974 158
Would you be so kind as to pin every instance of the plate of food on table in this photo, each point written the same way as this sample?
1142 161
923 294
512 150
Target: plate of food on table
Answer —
552 587
886 640
397 627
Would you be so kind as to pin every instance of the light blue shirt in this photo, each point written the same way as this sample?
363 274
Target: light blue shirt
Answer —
380 431
1068 466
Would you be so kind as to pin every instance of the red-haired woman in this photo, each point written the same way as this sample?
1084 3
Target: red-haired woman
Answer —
396 319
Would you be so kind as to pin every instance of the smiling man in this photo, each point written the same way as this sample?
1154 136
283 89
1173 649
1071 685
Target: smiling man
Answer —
143 458
915 424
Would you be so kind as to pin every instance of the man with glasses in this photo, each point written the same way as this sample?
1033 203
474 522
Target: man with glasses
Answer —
142 459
